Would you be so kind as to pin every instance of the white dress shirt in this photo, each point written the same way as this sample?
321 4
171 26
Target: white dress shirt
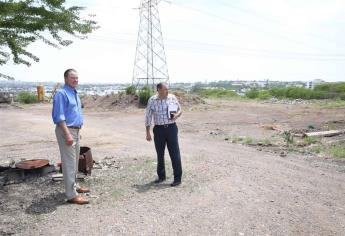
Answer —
158 109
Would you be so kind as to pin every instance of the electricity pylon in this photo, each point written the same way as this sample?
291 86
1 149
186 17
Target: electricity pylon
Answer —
150 66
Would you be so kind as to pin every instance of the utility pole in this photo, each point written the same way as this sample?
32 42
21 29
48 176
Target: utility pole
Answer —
150 66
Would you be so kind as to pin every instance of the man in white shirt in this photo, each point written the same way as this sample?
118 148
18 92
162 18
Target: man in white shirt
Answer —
165 110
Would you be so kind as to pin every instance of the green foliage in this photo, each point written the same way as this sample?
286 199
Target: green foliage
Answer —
298 93
316 149
216 93
131 90
311 126
266 142
25 22
257 94
237 139
331 87
324 91
252 94
144 95
331 104
27 97
311 140
337 151
288 138
248 140
335 90
264 95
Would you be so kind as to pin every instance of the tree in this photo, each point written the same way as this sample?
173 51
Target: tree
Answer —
25 22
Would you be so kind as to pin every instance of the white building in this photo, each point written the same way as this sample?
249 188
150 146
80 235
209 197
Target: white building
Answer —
312 84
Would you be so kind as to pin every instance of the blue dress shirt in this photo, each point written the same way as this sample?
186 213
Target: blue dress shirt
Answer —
67 107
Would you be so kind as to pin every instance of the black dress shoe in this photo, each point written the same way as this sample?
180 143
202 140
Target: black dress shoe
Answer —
175 183
160 180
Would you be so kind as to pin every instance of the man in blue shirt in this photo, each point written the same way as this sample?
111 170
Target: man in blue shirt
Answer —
68 117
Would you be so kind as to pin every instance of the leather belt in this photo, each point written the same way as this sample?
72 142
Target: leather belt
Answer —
74 127
165 126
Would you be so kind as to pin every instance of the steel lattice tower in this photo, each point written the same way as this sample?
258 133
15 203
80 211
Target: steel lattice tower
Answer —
150 66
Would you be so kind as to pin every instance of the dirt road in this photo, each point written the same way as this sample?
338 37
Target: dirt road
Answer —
228 189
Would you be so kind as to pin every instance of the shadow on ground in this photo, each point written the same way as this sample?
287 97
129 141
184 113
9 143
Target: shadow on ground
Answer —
142 188
46 204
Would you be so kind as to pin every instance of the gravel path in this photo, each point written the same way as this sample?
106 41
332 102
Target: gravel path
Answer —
228 189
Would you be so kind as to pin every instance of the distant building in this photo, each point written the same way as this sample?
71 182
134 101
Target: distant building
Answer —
312 84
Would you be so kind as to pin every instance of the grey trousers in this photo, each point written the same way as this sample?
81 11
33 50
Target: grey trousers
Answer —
69 160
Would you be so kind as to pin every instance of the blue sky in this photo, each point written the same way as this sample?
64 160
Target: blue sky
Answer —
207 40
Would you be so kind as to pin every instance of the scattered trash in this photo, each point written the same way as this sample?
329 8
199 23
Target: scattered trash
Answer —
32 164
85 160
59 177
286 101
108 162
25 170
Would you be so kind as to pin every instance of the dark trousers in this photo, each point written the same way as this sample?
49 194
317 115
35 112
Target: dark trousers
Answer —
167 136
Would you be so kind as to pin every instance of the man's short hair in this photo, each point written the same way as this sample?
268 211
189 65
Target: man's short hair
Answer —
160 85
66 73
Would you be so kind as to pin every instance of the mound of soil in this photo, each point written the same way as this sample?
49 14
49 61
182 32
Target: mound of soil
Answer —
187 99
122 101
110 102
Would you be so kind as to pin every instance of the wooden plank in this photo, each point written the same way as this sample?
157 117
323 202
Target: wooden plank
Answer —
329 133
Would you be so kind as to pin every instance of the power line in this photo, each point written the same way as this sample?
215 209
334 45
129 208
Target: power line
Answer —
262 31
271 20
212 47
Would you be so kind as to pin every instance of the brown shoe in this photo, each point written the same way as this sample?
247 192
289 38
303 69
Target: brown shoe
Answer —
78 200
83 190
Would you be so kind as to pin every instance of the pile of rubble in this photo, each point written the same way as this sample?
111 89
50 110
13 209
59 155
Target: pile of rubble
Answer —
110 102
286 101
123 101
6 97
17 172
187 99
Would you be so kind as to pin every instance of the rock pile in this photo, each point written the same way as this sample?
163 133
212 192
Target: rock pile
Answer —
6 97
286 101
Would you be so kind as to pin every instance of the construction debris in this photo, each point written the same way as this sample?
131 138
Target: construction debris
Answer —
59 177
10 175
286 101
6 97
32 164
85 160
329 133
122 101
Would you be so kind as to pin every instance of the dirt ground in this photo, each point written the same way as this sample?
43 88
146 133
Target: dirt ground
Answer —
228 188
